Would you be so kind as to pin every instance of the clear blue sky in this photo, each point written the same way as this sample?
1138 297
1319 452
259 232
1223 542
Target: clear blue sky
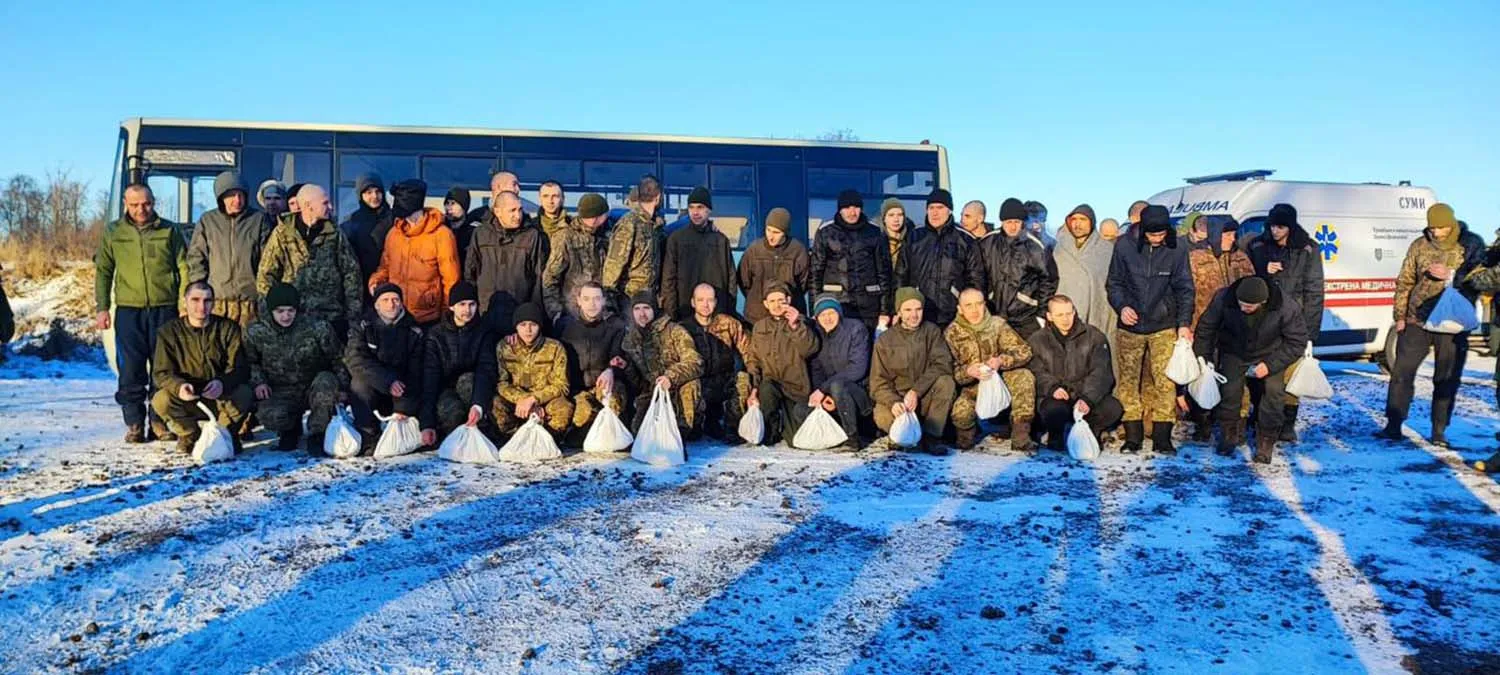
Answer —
1057 101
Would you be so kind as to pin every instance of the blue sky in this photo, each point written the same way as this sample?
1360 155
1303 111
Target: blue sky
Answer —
1057 101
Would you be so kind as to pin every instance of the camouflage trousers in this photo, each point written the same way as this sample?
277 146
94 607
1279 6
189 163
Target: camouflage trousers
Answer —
687 400
282 412
1022 385
183 416
559 415
587 404
933 408
240 311
1141 357
453 404
724 399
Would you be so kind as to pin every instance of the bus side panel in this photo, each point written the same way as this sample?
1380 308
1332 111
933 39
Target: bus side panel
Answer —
784 184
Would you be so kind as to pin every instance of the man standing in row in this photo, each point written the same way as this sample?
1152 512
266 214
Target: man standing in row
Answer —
1082 259
632 263
851 259
552 217
226 247
507 262
271 195
697 254
944 260
972 220
1021 275
369 225
502 181
420 255
912 371
307 251
201 357
456 217
774 258
577 258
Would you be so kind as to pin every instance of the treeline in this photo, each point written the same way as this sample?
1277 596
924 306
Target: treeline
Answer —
44 223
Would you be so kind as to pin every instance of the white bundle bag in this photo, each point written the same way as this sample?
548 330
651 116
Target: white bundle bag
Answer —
993 397
1183 367
906 431
753 425
1082 444
1453 313
659 443
341 440
531 443
399 436
1205 389
214 442
469 446
819 431
1307 379
607 434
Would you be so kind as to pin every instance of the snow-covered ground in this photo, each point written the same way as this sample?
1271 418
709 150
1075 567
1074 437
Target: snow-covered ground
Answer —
1345 555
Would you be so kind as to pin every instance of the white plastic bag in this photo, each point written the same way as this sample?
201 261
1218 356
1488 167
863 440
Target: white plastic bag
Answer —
819 431
214 442
906 431
1205 389
1183 367
659 442
1307 379
468 445
607 433
1081 441
531 443
1453 313
400 436
753 425
341 440
993 397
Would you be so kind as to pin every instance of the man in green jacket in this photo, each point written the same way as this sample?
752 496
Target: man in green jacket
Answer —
201 358
912 371
141 270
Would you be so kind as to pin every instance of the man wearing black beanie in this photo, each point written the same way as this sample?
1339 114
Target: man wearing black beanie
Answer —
942 260
1021 275
455 213
851 260
696 254
458 366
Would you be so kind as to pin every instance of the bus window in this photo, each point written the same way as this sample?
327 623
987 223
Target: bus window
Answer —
731 177
117 181
167 190
203 197
830 182
391 168
904 183
442 173
615 174
533 172
302 167
734 215
684 174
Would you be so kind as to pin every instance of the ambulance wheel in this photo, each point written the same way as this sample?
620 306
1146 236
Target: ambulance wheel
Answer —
1387 359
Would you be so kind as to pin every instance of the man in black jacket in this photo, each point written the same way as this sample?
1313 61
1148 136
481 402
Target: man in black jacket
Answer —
1021 275
1252 332
506 260
1150 286
384 357
841 368
943 260
595 360
1286 256
1074 373
368 226
696 254
851 260
458 366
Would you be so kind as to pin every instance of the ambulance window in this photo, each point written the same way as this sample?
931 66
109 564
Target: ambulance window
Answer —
1252 228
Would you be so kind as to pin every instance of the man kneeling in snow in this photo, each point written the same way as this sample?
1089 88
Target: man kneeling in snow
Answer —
296 365
533 376
200 358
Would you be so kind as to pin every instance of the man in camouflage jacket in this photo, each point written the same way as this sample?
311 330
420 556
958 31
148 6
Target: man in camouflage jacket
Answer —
660 353
296 366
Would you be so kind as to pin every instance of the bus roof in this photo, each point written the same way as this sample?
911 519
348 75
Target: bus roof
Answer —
533 133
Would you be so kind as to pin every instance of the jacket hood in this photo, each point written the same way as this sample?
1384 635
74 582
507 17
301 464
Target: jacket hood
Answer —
1140 238
226 182
1088 212
367 180
432 219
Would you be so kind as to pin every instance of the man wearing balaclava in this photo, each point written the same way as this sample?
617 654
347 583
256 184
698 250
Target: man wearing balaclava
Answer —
420 256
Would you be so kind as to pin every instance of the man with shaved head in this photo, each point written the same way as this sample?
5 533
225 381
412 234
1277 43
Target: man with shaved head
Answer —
309 252
986 346
501 182
720 339
972 219
506 261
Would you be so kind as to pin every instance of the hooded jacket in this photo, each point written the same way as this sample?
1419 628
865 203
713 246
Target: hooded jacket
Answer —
367 228
1079 363
763 264
942 262
977 343
1278 336
779 352
1214 268
1301 275
319 262
696 255
448 352
908 360
1154 281
508 267
1021 275
422 259
1082 272
225 250
853 261
1416 292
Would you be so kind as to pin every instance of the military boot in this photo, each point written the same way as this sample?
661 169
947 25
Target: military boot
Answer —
314 443
1020 436
185 443
1135 432
1289 425
160 431
1203 427
135 433
287 440
1161 438
965 439
1231 435
1265 447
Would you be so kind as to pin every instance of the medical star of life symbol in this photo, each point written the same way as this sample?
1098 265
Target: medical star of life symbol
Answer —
1328 242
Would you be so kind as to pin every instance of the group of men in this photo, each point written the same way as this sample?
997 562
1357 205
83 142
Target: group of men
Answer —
492 316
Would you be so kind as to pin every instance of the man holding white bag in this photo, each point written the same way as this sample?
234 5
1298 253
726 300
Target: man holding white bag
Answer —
984 345
912 371
1251 332
776 361
1074 372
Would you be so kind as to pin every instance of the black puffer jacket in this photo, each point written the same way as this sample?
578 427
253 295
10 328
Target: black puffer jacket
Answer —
449 351
1156 282
942 262
1301 275
1079 363
1020 276
507 266
590 347
853 261
367 228
380 354
1278 336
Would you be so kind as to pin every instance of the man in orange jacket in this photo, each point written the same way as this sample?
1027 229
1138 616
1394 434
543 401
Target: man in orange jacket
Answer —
421 254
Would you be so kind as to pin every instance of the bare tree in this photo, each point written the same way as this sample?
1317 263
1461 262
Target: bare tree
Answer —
841 135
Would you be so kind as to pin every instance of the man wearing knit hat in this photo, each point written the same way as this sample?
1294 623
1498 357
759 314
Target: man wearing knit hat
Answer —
533 377
1433 262
370 224
775 257
1251 332
912 371
1036 223
577 258
1285 255
944 260
840 370
851 259
507 261
296 365
1151 288
309 252
1020 274
696 254
458 366
384 357
456 217
660 353
898 230
552 218
271 195
420 254
776 361
721 339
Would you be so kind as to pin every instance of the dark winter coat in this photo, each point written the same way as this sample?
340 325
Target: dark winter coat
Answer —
507 266
696 255
1156 282
1301 275
779 352
942 262
225 250
367 228
1079 363
449 351
853 262
843 356
762 264
1277 334
907 360
590 348
1474 253
197 356
1020 276
381 354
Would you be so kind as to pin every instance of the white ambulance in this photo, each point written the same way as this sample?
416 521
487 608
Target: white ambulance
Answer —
1363 230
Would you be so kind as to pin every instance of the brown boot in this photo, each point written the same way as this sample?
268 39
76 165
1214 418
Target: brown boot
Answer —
161 432
1231 437
1020 436
135 433
1265 447
185 443
966 438
1491 465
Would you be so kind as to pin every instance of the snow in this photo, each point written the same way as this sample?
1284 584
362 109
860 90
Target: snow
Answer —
1344 555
